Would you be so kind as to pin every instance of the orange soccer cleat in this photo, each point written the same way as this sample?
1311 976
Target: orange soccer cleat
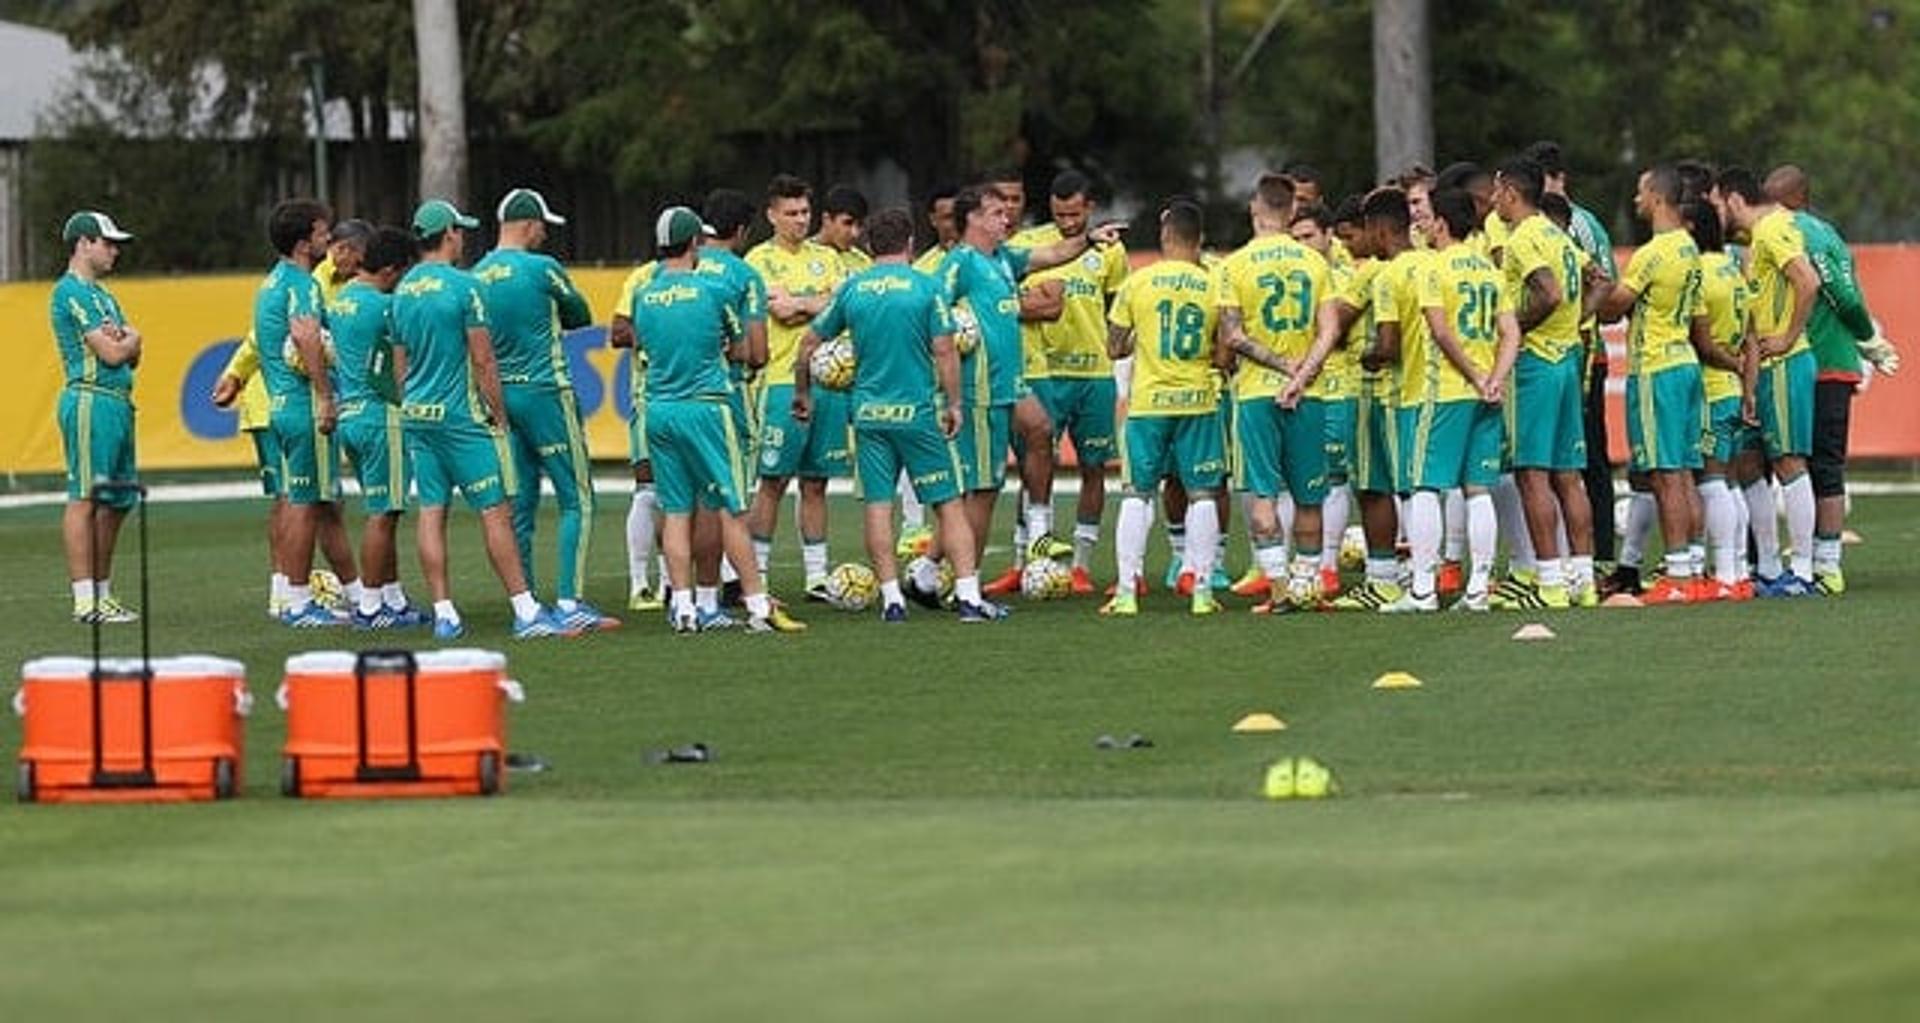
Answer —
1450 579
1330 582
1004 583
1668 590
1082 585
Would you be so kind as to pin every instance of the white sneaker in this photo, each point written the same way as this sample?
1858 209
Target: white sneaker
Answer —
1472 602
1411 604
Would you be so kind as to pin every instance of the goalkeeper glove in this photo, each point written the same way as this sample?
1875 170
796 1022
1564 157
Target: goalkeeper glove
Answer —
1880 351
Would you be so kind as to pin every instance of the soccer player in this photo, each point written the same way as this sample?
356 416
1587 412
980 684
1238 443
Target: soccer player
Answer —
902 337
99 350
684 324
1547 432
1066 357
288 314
1477 182
369 432
1164 317
800 276
945 232
1337 379
1841 332
1664 390
1452 324
530 300
1731 440
454 414
1267 295
1784 288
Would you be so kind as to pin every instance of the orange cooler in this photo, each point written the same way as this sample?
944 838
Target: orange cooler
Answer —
395 723
126 739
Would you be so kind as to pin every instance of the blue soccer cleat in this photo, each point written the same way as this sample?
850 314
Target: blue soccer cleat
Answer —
313 616
714 621
384 618
544 624
446 629
893 613
984 611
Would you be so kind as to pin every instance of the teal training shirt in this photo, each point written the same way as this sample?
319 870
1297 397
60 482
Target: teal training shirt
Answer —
989 285
1592 237
79 307
683 322
531 303
892 312
287 294
433 308
358 319
1840 319
747 291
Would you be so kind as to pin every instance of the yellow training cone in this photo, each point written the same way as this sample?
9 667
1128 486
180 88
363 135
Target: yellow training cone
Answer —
1533 630
1259 722
1396 680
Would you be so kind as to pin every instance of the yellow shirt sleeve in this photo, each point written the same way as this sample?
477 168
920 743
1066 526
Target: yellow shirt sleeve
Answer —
1122 313
246 360
1386 306
640 275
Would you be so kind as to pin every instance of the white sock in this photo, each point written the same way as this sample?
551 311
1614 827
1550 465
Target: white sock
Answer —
353 591
1383 570
1176 540
682 605
813 554
727 573
762 555
298 597
276 587
1283 508
1512 513
1453 513
1130 540
1086 536
913 514
1798 495
393 595
1742 519
1483 540
640 516
1826 554
1426 525
444 611
83 591
1551 573
1679 565
1697 557
966 590
1020 543
1763 519
660 565
1271 556
1723 528
524 606
1203 539
1580 571
1333 526
103 589
925 574
890 594
369 600
759 605
1642 513
1039 520
707 599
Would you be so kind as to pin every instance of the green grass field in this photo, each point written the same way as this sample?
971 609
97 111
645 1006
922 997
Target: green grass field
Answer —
1699 813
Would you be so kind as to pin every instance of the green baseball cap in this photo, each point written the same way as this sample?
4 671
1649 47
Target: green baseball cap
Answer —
93 224
677 225
436 215
526 204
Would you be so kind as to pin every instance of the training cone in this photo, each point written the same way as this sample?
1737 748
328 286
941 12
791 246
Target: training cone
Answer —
1396 680
1259 722
1533 630
1622 600
1848 536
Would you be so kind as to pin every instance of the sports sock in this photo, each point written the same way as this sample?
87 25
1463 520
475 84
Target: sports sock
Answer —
369 601
1086 536
524 606
276 588
1722 527
444 611
1038 520
640 527
1642 513
1203 539
813 555
1798 497
706 599
1425 527
1580 571
966 589
762 553
890 593
682 605
298 597
1130 539
1271 556
1453 510
1333 526
1826 553
103 589
1483 541
1382 567
1176 539
913 514
1550 573
660 569
1679 565
759 605
1742 519
353 591
1763 520
83 591
1511 514
393 595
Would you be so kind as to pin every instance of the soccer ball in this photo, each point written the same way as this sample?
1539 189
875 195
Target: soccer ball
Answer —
1045 579
327 590
1353 548
832 364
852 587
291 352
966 330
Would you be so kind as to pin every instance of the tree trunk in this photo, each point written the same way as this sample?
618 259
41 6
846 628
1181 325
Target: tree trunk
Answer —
443 108
1402 87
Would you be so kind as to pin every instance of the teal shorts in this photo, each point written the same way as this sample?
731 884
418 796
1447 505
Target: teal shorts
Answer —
982 446
1082 408
266 454
1451 444
697 458
1190 448
1727 434
468 457
1784 400
96 431
1666 420
1279 449
817 449
1376 444
309 459
930 461
373 441
1341 414
1547 418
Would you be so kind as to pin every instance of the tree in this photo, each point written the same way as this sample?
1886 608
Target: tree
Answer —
1402 88
443 101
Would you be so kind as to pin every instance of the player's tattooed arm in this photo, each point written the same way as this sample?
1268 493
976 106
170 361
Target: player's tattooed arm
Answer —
1043 302
1543 296
1119 341
1700 332
803 377
1333 318
1233 343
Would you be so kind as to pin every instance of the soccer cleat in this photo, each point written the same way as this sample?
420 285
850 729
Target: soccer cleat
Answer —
1472 602
313 616
1517 594
1047 546
276 606
1120 605
410 617
1219 580
446 629
1707 590
1830 583
1787 585
1371 595
1451 579
984 611
1174 570
713 621
586 618
817 590
1668 590
1740 592
1587 595
780 621
1082 585
384 618
1555 597
1183 584
1623 579
545 622
1412 603
644 599
1139 586
929 599
1278 604
684 624
1203 603
1253 584
893 613
1329 582
1003 584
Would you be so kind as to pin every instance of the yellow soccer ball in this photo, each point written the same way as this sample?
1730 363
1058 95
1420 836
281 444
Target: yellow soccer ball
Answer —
1045 579
832 364
291 352
852 587
1353 548
966 330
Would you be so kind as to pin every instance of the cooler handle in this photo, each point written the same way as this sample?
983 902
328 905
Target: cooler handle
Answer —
513 690
373 662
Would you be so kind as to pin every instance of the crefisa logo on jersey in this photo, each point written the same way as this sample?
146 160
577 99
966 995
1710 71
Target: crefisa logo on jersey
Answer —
1091 260
817 268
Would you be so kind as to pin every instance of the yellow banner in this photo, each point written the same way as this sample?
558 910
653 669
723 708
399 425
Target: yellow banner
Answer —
191 325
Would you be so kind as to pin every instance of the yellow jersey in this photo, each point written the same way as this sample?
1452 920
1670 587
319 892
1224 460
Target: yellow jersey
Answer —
1536 244
1776 242
253 407
1665 274
1723 297
1472 294
1337 255
1396 300
1276 284
1339 379
811 269
852 261
1168 309
323 275
1493 238
1075 345
929 261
